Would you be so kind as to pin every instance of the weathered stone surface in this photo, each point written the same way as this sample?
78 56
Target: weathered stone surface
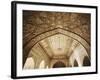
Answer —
38 22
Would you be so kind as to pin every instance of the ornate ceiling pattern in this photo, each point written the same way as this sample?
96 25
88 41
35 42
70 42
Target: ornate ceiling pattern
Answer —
54 31
35 22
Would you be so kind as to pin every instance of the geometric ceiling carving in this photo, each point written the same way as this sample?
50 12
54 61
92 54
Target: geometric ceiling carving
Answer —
61 27
58 46
36 22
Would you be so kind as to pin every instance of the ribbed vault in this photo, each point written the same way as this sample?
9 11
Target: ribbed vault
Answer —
41 28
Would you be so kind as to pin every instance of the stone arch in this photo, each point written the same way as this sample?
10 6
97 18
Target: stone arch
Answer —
30 63
75 63
59 64
86 61
44 35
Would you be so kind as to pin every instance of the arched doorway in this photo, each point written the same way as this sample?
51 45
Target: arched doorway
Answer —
75 64
50 33
59 65
86 61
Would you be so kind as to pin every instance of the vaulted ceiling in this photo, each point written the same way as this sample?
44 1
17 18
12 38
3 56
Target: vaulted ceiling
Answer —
36 23
58 46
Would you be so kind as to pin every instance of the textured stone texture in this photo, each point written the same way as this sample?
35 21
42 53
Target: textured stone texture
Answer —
38 22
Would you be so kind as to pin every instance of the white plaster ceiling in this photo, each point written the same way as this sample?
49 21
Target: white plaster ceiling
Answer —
60 45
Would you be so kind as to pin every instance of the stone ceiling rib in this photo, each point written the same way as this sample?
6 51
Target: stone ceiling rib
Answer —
44 50
37 25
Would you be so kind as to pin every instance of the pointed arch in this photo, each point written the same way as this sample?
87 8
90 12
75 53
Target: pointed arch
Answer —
49 33
59 64
75 63
86 61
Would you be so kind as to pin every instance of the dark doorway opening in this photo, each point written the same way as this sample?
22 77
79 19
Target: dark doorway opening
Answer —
86 61
75 64
59 65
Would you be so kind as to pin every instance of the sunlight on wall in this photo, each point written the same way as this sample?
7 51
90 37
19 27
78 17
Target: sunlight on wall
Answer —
78 54
29 63
42 64
47 67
